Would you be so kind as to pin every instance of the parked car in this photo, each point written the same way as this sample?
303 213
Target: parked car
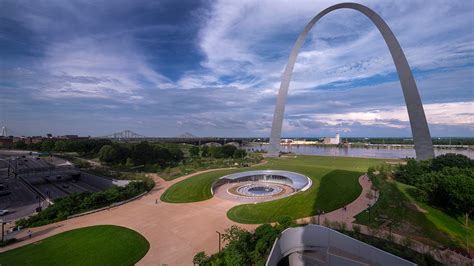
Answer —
3 212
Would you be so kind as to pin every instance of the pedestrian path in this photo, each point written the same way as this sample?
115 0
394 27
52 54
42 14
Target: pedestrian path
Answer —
348 213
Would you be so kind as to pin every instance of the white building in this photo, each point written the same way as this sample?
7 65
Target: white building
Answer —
336 140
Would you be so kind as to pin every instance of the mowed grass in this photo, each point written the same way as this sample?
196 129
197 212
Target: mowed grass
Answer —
336 189
334 185
431 227
454 227
95 245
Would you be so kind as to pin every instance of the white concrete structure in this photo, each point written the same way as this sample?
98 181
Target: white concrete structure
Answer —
297 181
319 245
419 126
336 140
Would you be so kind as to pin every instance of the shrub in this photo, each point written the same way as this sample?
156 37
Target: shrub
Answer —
285 222
81 202
200 258
7 242
356 228
406 242
326 222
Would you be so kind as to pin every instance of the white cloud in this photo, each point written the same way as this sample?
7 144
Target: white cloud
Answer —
452 114
89 68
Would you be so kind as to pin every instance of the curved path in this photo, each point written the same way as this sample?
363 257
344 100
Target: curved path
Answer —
176 232
352 209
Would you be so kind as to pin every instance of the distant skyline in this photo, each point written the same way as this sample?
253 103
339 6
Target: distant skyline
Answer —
212 68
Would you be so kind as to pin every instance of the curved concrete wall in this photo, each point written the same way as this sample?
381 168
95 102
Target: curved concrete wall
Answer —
298 181
416 114
335 248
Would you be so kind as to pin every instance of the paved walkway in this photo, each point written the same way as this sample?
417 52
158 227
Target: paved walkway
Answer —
176 232
347 215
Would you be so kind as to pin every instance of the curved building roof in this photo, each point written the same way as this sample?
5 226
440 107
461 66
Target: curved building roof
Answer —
299 181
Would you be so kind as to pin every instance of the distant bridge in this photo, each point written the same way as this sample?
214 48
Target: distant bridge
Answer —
123 135
128 135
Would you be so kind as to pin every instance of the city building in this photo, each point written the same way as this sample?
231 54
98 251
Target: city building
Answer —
336 140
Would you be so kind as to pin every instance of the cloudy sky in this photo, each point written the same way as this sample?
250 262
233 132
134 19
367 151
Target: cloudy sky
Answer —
212 68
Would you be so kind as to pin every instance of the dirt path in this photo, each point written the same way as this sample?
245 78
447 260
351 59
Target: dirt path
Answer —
176 232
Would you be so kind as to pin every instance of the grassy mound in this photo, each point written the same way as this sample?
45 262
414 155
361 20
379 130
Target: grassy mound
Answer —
334 185
95 245
336 189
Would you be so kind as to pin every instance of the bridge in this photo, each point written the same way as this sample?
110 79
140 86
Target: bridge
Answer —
123 135
130 136
7 132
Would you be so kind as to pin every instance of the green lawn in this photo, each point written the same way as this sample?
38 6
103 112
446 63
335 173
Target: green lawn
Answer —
95 245
454 227
431 227
334 185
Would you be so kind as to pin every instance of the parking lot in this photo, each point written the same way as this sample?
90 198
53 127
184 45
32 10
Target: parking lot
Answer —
28 181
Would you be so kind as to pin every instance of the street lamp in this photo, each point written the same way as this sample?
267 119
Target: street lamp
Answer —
368 210
3 229
219 240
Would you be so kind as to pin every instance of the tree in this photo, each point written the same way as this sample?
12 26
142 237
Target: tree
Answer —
60 146
142 153
265 236
412 171
204 151
285 222
240 153
228 151
456 193
200 258
239 245
451 160
194 151
108 154
177 154
47 145
21 145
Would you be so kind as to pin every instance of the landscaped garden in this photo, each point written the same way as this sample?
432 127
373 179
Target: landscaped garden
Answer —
95 245
426 200
335 184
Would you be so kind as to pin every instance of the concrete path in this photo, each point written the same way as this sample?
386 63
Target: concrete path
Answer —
176 232
347 215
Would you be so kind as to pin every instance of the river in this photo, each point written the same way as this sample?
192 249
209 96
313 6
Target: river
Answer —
373 152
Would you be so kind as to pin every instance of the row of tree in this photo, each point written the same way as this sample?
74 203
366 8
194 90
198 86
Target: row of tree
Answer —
446 181
142 153
246 248
87 146
81 202
225 151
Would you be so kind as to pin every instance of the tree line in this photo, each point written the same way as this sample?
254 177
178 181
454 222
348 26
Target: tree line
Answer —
446 181
218 152
83 147
142 153
81 202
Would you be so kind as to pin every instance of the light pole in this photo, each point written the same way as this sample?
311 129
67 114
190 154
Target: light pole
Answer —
3 230
219 240
368 210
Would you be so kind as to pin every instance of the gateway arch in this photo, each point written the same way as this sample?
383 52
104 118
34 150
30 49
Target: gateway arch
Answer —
416 114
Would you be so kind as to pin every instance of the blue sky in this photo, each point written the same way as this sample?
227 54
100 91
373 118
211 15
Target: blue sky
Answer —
212 68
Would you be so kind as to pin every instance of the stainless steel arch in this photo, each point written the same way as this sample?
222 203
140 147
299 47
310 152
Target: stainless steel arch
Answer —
416 114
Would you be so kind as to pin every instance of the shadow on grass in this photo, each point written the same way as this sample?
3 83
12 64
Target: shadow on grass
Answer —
337 189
